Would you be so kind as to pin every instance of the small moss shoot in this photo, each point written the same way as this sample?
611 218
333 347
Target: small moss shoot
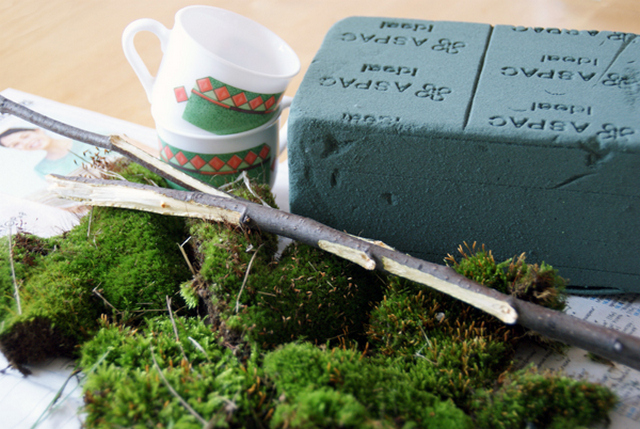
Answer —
539 284
263 338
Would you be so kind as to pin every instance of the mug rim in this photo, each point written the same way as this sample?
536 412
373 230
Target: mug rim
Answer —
295 64
205 135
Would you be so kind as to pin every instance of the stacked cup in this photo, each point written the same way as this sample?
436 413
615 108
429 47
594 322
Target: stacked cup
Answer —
218 94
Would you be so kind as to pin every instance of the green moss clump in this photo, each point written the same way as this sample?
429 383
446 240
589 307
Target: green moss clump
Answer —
300 385
543 399
322 407
539 284
313 296
353 389
117 262
252 295
125 387
27 251
222 255
299 339
457 352
132 257
450 349
303 294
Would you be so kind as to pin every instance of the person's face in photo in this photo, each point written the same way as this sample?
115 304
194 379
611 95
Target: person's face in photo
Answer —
26 140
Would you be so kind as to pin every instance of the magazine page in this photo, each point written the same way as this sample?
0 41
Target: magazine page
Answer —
28 154
48 398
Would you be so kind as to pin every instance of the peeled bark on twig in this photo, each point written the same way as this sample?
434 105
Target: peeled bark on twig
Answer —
210 203
371 255
244 213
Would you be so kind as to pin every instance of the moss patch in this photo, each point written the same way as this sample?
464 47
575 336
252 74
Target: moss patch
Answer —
117 262
254 295
132 374
543 399
348 386
299 339
539 284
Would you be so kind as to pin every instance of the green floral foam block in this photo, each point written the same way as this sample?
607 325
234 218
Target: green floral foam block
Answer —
427 134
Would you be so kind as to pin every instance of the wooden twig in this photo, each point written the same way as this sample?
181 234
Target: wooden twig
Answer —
173 391
104 300
58 395
16 287
199 347
186 257
608 343
366 253
89 223
246 278
175 328
210 203
56 398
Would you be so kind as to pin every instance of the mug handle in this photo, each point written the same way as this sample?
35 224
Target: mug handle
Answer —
132 55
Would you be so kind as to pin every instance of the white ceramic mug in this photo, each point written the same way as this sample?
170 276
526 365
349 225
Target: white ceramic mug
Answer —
220 72
217 160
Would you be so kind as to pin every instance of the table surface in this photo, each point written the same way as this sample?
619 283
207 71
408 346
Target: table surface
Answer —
70 51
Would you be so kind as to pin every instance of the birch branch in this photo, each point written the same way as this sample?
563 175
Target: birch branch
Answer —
608 343
244 213
213 204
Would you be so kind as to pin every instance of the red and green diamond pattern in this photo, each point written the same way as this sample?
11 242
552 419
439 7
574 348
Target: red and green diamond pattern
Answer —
230 97
255 161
